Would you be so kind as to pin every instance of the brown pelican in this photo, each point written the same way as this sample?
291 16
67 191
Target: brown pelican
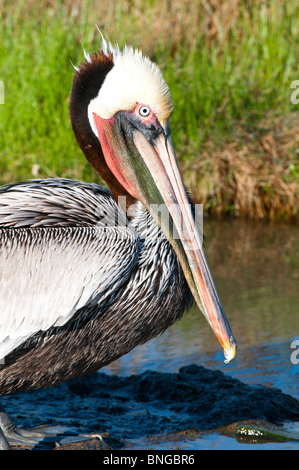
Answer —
87 273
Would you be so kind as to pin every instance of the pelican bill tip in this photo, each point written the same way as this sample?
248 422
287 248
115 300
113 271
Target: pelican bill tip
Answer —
230 353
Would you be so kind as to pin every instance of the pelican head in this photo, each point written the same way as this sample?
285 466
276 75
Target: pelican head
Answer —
120 109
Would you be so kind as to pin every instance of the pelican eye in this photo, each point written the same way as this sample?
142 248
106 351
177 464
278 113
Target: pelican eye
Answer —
144 111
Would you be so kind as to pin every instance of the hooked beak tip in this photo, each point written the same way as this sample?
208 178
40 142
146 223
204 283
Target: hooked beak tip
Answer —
230 353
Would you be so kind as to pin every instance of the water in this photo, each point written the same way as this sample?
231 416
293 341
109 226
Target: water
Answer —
256 270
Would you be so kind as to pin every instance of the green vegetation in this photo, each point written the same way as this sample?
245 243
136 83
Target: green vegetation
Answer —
229 65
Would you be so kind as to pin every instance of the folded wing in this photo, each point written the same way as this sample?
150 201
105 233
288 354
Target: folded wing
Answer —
48 273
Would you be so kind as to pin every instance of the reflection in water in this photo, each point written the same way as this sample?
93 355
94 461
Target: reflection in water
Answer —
256 270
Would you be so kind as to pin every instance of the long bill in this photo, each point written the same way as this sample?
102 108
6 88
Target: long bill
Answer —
155 179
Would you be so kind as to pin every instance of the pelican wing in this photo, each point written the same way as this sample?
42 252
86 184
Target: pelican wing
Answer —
55 202
48 273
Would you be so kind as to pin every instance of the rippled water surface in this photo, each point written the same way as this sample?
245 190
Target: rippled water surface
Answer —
256 270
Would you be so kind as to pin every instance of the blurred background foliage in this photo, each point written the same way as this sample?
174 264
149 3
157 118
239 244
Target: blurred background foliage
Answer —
230 66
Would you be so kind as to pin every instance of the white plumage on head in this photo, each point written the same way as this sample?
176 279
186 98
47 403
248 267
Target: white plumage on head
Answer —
133 79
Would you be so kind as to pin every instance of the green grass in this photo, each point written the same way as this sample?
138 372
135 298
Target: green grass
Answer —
37 73
241 83
219 81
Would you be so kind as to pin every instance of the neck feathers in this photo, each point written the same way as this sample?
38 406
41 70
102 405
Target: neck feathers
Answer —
87 82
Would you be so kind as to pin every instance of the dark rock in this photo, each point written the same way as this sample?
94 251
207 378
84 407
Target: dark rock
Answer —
152 403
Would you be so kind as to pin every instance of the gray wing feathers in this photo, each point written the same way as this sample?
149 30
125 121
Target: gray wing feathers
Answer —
55 202
47 274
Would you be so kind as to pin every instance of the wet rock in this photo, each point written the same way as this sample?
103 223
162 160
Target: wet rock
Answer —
151 403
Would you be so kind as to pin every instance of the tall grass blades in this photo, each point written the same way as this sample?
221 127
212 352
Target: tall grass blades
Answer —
229 65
